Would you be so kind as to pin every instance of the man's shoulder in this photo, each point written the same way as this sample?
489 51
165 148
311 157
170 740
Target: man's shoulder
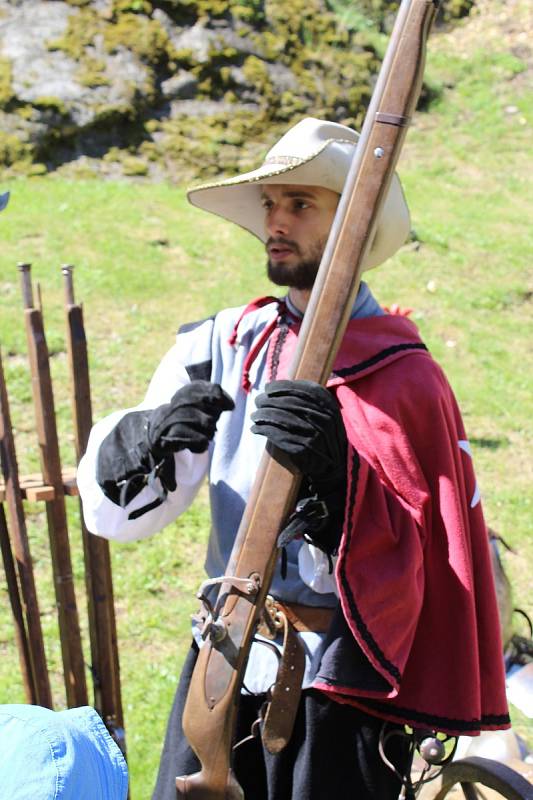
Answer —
232 324
375 343
386 362
238 319
188 327
203 326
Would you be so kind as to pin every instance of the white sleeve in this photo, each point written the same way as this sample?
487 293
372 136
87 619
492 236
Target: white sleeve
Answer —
107 519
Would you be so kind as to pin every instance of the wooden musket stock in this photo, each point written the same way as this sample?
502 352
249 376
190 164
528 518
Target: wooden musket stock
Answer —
210 710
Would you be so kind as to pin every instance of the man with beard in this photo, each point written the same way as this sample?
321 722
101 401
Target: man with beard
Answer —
404 626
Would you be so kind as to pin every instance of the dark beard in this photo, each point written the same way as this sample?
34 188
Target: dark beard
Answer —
300 276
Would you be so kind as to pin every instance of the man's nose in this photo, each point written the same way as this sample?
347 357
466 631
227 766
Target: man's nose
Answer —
277 222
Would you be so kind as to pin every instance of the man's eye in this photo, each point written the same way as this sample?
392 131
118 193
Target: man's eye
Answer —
301 204
266 203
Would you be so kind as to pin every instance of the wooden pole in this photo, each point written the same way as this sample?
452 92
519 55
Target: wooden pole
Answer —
69 629
21 637
98 577
27 619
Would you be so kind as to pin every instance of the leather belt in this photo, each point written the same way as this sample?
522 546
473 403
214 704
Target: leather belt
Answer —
306 618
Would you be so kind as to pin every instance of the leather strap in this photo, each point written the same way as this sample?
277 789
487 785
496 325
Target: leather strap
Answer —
280 713
278 720
306 618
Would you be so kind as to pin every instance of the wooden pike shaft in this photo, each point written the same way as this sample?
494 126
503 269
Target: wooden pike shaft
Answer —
215 685
16 609
27 620
98 577
69 629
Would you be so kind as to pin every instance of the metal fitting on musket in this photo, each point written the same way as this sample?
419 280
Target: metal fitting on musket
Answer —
216 630
214 627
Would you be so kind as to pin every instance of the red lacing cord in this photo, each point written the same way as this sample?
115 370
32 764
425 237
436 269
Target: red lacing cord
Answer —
254 305
257 346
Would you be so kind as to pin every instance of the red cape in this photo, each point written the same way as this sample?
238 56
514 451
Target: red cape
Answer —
414 569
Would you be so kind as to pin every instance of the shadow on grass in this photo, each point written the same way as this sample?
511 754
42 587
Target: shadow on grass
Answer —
489 444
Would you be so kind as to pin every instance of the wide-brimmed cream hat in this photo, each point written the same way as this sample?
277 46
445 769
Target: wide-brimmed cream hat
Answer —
312 153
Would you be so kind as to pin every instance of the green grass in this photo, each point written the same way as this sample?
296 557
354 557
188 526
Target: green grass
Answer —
145 262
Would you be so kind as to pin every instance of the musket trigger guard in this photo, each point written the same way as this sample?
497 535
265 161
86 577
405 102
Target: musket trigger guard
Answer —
247 586
209 613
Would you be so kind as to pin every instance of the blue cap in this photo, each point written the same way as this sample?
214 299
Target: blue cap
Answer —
4 199
58 755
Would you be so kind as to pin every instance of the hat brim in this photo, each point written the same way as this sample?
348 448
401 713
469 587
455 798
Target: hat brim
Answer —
238 200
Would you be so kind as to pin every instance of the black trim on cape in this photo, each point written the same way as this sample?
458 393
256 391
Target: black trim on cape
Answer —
434 721
383 708
345 372
365 634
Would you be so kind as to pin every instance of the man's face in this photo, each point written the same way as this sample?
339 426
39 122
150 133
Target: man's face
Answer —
297 223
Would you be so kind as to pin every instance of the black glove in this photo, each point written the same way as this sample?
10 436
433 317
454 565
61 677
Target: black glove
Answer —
139 450
303 420
189 421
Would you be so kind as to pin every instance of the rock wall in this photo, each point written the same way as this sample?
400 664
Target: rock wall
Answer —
170 88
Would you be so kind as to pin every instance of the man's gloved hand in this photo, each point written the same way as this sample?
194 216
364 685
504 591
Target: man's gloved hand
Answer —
139 450
189 421
303 420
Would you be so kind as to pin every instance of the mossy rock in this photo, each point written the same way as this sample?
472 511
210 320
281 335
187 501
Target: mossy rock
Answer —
6 86
52 104
256 71
108 114
331 70
131 165
113 155
201 147
132 6
143 36
246 12
269 63
13 151
82 27
152 125
26 112
91 73
455 9
37 169
149 151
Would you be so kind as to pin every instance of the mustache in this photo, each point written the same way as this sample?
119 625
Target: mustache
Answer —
282 240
